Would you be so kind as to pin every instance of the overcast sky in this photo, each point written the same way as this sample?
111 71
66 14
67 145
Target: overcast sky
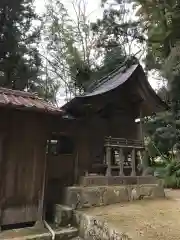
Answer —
93 8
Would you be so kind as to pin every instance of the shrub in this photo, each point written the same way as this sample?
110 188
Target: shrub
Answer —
172 174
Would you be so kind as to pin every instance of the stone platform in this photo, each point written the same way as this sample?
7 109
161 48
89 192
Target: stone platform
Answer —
78 197
97 180
34 233
31 233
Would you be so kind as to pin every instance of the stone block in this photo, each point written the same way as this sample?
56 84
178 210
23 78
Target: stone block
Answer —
95 228
63 215
142 180
158 192
77 238
73 197
92 196
115 194
134 194
146 190
66 233
29 233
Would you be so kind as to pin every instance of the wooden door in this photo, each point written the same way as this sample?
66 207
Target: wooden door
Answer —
60 166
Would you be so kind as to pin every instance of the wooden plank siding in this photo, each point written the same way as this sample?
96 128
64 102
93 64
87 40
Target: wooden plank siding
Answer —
22 165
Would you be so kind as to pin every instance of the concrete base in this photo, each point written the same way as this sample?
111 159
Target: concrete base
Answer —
78 197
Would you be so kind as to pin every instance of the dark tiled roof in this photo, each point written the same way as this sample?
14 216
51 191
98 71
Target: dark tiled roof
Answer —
24 100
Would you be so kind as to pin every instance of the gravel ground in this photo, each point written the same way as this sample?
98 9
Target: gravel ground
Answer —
145 219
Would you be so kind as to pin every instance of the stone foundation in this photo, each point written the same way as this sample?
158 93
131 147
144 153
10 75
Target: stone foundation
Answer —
94 228
31 233
78 197
97 180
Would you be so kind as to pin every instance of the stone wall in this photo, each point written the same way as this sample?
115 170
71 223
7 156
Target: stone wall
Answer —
78 197
96 229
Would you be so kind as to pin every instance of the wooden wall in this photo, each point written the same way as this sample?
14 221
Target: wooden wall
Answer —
22 166
91 134
88 136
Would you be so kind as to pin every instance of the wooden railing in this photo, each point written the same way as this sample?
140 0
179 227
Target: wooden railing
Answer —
120 167
122 142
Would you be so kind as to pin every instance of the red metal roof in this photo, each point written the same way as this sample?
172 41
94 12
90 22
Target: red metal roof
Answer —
24 100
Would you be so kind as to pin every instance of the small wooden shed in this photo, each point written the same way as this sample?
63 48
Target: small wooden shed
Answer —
24 130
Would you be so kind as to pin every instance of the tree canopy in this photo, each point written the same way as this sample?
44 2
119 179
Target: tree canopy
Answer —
19 59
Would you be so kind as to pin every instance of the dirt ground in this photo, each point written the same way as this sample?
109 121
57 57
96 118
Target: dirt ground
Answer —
145 219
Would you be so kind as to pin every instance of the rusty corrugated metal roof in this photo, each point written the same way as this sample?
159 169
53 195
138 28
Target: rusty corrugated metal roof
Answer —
24 100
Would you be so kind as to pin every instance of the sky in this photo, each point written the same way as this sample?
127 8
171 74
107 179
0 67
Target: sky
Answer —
94 11
93 7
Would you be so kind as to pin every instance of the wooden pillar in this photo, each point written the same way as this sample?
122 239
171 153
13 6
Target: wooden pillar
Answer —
121 162
76 168
145 160
41 206
108 161
141 126
133 164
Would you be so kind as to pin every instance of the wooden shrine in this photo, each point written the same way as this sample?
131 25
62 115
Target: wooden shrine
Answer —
108 142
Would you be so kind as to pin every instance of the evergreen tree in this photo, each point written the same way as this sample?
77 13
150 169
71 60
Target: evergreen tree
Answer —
19 57
160 22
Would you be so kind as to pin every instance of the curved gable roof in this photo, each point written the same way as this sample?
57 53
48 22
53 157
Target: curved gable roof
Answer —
116 79
112 81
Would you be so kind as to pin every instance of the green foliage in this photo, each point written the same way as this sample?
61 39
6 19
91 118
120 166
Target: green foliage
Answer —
69 47
80 51
160 22
160 129
172 175
19 58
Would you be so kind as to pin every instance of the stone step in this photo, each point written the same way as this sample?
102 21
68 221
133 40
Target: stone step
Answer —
62 215
77 238
34 233
65 233
29 233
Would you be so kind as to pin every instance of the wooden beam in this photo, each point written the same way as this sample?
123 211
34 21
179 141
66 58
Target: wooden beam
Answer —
41 209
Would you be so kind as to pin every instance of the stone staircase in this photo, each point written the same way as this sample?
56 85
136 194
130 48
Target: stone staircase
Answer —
62 227
68 223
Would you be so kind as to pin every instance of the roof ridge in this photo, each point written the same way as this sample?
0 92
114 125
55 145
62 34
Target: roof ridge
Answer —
95 84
